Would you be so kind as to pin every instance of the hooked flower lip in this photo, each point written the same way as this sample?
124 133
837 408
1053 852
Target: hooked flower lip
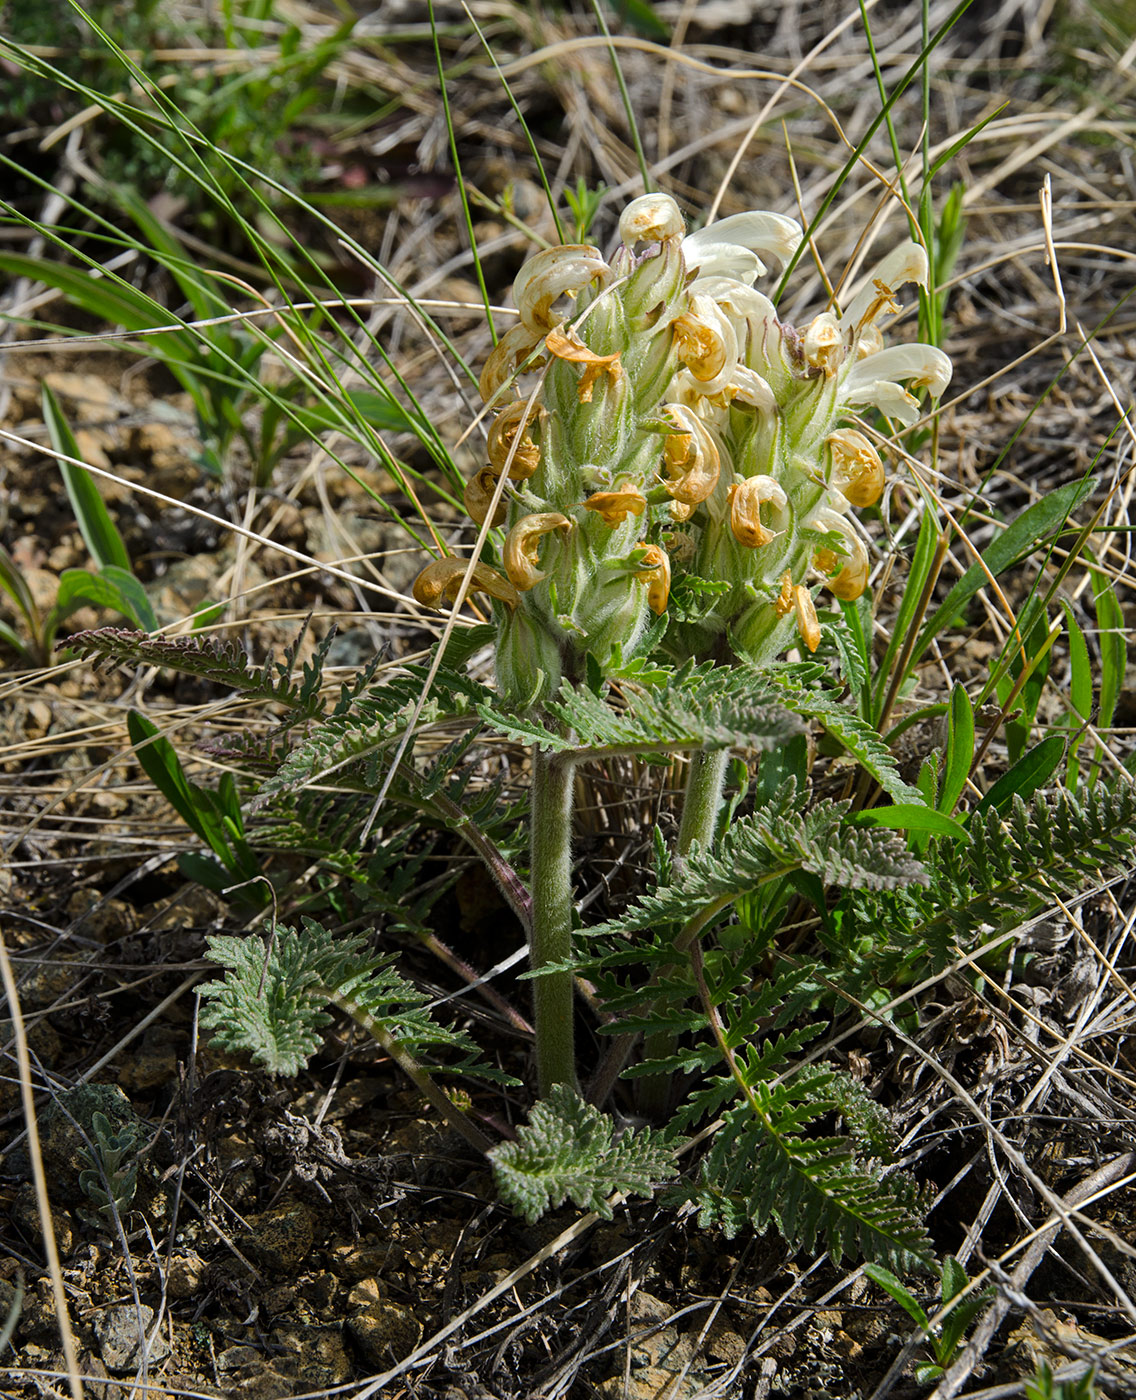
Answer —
904 264
613 507
734 246
746 499
567 345
691 454
652 218
845 577
655 572
551 274
441 579
857 468
522 547
875 379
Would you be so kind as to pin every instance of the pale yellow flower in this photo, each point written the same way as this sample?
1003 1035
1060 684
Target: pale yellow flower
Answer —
522 547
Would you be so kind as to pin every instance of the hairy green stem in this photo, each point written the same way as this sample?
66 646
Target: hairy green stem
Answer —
703 799
700 809
552 789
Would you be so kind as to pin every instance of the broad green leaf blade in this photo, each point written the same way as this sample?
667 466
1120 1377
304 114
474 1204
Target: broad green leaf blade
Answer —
12 582
960 749
921 565
108 301
1112 634
905 816
1032 770
162 766
897 1290
133 599
99 531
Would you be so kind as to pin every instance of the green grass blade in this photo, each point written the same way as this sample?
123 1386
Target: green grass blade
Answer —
1032 771
100 534
960 749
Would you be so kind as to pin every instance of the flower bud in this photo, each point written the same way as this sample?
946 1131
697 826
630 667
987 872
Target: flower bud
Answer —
746 499
823 345
652 218
442 580
550 275
857 469
528 661
522 547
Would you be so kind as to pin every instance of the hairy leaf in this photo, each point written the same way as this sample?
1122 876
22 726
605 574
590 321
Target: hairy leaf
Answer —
698 707
567 1150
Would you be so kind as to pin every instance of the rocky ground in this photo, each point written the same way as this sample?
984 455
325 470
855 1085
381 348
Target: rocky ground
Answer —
279 1239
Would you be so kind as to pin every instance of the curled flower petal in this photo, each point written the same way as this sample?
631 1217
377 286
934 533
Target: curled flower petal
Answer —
691 456
442 579
875 380
746 499
522 547
733 247
550 275
514 418
849 581
567 345
857 468
808 624
652 218
749 388
907 263
478 497
704 339
515 346
656 574
615 506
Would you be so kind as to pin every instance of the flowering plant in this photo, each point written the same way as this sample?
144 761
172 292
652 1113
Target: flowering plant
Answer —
681 437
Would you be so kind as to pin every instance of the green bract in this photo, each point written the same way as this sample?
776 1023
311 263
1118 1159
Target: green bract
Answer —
678 431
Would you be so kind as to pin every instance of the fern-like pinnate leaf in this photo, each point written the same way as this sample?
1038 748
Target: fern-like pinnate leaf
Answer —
272 1002
763 1169
1012 867
794 687
212 658
568 1149
698 707
776 840
354 741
